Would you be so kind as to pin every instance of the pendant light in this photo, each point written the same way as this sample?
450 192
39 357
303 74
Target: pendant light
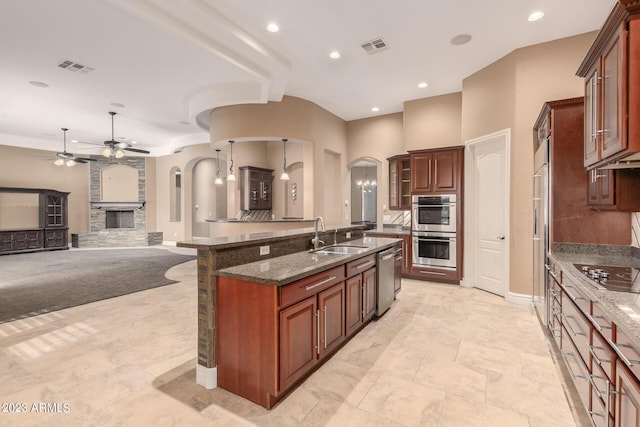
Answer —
285 175
231 176
218 180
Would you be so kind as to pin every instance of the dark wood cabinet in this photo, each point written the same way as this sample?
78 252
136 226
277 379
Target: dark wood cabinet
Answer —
256 188
614 189
361 293
51 231
399 182
331 312
611 70
437 170
298 340
627 398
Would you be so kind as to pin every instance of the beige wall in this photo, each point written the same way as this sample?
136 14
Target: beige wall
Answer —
28 168
433 122
299 121
509 94
19 210
377 138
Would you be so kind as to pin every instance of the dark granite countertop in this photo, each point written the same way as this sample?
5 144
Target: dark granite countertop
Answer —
623 308
390 229
289 268
224 242
240 221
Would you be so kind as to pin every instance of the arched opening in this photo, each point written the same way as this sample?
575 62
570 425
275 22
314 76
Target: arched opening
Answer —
294 192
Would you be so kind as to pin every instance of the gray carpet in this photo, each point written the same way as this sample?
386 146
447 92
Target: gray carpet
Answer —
36 283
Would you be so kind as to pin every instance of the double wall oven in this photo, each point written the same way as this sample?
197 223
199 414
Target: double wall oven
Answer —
434 219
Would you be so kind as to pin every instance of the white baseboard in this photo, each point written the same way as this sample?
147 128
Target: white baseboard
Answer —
168 243
206 377
519 299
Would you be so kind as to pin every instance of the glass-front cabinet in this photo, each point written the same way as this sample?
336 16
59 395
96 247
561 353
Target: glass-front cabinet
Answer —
400 182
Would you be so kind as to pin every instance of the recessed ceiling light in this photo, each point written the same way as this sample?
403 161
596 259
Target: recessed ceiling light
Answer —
74 141
39 84
134 142
535 16
334 55
273 27
117 104
375 109
184 123
422 85
460 39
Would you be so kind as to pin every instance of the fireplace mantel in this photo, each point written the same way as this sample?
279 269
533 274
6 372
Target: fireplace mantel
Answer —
116 206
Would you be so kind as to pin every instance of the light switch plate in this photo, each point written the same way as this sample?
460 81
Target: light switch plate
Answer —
264 250
348 234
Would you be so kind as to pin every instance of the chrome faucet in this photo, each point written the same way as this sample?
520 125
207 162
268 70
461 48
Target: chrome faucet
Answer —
316 240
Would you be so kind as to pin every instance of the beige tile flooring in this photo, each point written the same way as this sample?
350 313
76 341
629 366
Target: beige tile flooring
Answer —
442 356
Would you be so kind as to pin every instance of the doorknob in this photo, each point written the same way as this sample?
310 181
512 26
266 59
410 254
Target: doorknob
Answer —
501 237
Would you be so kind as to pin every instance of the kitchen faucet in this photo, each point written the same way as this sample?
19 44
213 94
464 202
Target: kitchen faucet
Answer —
316 240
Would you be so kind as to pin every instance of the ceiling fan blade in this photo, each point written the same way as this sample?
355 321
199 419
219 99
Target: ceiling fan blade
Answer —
136 150
84 159
79 160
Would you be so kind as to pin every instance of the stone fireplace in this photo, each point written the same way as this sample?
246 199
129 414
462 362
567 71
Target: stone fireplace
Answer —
114 222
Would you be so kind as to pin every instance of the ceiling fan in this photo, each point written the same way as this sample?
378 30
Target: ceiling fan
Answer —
68 159
114 149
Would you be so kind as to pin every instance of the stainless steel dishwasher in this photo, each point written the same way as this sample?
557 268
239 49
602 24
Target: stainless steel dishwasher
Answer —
386 280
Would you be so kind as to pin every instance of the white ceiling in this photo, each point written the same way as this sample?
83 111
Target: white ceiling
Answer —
170 62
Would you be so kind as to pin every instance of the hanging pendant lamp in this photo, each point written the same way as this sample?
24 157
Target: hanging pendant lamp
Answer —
218 180
285 175
231 176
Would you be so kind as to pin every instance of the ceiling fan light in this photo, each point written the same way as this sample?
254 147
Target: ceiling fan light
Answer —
106 152
119 154
59 162
70 162
121 145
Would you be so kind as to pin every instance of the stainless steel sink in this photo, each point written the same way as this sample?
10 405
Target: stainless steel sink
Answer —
341 249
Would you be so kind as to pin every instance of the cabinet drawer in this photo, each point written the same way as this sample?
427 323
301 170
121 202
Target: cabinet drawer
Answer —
575 294
360 265
576 327
602 397
627 352
601 322
577 369
310 286
602 354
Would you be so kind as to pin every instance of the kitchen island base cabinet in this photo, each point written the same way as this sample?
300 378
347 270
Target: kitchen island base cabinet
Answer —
361 293
628 398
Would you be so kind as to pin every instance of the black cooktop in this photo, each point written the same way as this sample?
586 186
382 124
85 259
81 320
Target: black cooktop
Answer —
612 278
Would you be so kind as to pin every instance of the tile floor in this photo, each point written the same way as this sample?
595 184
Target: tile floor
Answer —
442 356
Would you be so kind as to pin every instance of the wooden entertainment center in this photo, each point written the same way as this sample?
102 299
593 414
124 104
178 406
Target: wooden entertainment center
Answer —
51 230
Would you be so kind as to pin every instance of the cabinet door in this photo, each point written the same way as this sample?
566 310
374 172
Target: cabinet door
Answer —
421 171
394 197
591 121
406 254
369 293
601 187
404 183
331 304
298 340
266 190
55 238
612 97
6 241
353 304
627 398
445 171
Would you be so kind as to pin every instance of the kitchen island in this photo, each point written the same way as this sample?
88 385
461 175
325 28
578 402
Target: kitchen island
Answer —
227 265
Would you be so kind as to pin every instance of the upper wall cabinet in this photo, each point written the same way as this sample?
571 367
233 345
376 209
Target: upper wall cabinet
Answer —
436 171
255 189
399 182
612 90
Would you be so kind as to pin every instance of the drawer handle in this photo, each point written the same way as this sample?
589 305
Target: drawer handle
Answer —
597 325
320 283
566 362
621 355
364 264
571 331
592 350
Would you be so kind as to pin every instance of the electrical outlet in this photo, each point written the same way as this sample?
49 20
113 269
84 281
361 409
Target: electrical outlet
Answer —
264 250
348 234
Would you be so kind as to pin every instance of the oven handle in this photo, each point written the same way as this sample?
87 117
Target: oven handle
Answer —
444 239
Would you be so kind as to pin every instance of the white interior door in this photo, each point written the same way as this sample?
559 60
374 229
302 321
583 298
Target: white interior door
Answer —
489 212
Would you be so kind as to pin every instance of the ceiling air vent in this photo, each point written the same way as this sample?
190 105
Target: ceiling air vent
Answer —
374 46
74 66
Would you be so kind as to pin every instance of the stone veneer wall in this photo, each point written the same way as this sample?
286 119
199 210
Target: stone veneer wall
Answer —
98 216
635 229
103 237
